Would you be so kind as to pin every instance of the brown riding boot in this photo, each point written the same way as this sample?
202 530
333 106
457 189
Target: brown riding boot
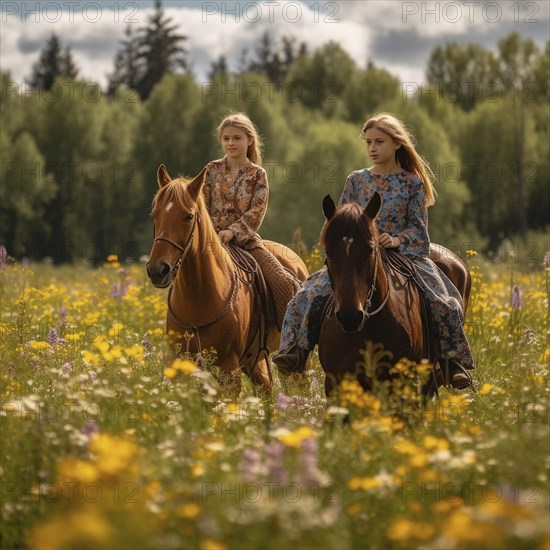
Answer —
282 284
292 362
457 376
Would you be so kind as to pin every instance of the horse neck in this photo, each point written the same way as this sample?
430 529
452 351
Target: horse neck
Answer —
382 282
205 276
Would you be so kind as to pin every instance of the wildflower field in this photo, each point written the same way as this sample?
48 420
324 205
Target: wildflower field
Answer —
107 444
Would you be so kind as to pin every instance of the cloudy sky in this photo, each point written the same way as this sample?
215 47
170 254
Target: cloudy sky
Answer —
394 34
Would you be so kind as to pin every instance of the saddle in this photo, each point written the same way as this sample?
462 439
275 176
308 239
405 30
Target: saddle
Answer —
249 273
397 263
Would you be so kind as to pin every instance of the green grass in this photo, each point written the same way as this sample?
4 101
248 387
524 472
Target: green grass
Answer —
101 450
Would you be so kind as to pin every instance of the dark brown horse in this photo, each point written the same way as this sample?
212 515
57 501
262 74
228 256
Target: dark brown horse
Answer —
370 301
209 302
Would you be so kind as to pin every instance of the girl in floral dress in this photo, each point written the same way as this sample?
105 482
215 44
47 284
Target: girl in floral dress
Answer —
236 192
403 180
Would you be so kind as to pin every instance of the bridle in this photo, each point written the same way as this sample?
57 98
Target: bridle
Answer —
372 289
183 249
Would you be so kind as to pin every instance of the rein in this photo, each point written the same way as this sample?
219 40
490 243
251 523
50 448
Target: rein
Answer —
184 250
243 262
196 328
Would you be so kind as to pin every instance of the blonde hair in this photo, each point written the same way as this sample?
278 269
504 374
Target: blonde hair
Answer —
242 122
406 156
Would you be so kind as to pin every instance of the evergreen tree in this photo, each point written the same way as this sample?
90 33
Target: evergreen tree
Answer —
275 62
53 62
218 67
126 71
159 51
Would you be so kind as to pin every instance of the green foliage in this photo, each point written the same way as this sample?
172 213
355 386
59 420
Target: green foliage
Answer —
323 78
367 90
97 157
329 152
54 62
165 131
24 191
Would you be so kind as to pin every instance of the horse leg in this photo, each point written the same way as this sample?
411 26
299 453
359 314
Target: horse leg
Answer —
230 376
261 378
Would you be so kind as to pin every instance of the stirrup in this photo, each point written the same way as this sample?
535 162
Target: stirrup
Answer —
459 377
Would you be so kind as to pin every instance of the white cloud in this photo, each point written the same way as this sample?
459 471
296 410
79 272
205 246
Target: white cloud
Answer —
397 35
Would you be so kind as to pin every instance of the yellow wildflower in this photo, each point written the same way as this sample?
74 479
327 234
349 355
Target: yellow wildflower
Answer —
39 346
184 365
78 470
188 511
211 544
295 438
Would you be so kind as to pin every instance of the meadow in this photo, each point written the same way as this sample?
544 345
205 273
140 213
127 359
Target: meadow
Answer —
107 444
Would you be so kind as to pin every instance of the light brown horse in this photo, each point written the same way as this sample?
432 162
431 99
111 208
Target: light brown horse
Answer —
208 297
370 301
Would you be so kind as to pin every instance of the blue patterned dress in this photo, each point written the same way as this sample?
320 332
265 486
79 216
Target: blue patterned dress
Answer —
403 213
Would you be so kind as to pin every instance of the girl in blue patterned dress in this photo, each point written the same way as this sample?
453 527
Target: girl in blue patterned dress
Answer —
403 180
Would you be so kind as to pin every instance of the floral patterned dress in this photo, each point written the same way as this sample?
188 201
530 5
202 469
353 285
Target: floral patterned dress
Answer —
238 204
403 213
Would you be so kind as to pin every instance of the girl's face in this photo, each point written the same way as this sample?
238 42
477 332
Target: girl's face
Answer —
235 142
380 146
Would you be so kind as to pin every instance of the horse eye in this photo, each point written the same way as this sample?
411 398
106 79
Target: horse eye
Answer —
189 217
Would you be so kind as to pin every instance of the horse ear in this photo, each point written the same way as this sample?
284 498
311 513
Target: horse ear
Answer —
163 177
328 207
195 185
373 205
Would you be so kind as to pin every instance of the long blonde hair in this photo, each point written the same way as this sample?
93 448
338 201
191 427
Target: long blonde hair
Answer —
242 122
406 156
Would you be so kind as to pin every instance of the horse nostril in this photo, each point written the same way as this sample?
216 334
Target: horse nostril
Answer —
164 269
350 320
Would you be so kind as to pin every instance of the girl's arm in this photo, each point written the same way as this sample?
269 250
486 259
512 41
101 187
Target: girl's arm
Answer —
249 223
207 189
348 194
415 238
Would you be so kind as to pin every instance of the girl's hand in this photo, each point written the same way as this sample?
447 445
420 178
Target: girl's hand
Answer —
225 235
387 241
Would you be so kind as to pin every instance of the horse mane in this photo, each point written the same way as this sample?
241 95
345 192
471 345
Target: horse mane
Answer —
351 220
177 190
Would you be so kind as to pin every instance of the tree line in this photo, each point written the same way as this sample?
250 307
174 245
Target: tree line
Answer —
79 163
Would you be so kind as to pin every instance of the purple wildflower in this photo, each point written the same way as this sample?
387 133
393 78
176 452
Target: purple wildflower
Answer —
250 464
517 297
67 368
309 457
275 462
92 375
292 407
53 338
90 429
546 260
120 289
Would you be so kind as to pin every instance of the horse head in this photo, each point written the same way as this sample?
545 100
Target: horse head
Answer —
350 240
176 214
